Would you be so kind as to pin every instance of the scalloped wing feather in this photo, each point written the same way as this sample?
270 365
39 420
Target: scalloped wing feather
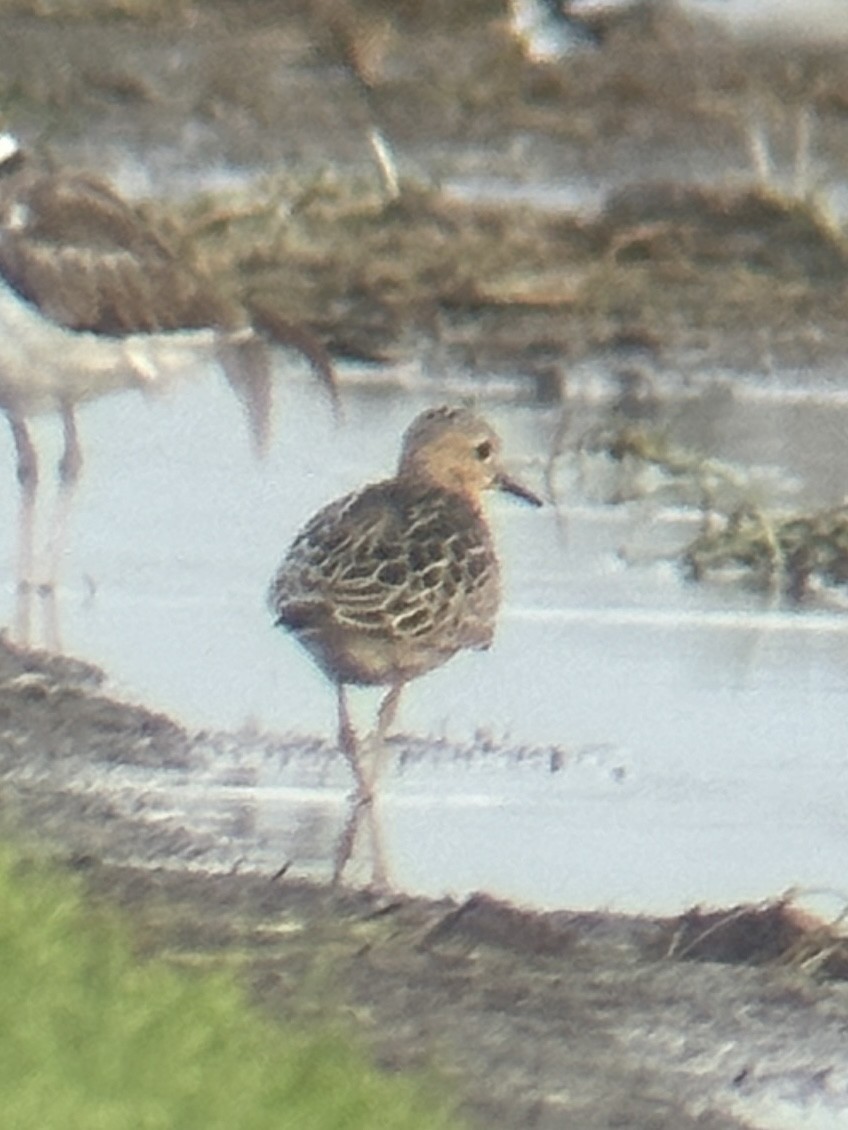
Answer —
394 561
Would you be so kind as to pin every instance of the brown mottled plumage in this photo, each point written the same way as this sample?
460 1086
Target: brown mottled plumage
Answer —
392 580
76 250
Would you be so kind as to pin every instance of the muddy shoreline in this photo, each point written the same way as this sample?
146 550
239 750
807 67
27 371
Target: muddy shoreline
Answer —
549 1020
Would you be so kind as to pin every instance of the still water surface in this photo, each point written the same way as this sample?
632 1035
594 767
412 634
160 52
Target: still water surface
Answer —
698 733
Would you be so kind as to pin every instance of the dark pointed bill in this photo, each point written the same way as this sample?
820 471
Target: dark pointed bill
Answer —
506 483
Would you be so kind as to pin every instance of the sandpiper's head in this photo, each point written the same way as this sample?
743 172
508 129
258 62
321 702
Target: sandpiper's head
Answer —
454 449
11 152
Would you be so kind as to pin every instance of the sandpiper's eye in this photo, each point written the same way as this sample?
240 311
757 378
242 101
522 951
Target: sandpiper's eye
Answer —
483 450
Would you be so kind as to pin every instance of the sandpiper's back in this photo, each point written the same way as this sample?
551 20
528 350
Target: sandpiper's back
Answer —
389 582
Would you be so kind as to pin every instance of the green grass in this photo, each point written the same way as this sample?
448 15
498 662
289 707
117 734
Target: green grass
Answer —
94 1038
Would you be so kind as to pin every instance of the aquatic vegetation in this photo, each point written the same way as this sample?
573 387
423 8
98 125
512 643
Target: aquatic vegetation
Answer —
785 554
676 264
746 532
679 476
740 536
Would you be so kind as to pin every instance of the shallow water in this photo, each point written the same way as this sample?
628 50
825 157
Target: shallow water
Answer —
823 19
699 731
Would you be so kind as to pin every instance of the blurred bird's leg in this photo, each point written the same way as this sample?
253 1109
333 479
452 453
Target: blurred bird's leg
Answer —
363 801
349 745
70 469
247 366
27 471
347 841
361 797
385 720
380 879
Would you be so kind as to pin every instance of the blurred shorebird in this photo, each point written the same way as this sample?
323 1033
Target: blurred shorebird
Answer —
94 299
392 580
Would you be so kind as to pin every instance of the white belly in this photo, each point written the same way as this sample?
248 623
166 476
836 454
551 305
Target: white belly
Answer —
43 364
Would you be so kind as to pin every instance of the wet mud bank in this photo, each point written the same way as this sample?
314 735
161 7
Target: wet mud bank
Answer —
550 1020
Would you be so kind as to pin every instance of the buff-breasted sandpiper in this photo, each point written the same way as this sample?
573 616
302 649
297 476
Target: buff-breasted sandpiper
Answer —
392 580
